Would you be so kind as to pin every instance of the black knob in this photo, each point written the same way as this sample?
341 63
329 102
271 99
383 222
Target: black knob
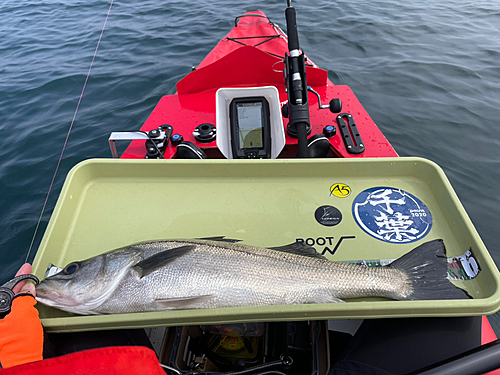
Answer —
335 105
329 131
154 133
205 133
176 139
284 110
152 153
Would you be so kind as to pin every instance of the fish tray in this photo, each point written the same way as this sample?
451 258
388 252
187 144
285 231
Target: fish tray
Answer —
350 210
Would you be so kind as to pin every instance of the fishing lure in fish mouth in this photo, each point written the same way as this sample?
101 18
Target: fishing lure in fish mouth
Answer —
217 272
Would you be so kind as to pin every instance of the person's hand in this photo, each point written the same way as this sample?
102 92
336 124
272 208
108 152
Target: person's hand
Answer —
23 286
21 340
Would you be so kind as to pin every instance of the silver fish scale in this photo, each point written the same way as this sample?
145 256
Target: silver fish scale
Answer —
217 274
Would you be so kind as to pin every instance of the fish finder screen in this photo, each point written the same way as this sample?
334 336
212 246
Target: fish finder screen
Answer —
250 125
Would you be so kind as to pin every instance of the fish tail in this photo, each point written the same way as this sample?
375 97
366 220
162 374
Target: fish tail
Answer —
427 268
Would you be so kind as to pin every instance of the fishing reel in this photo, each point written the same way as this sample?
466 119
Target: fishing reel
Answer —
7 294
335 105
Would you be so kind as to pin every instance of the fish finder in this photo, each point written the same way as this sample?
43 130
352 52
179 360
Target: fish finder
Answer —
250 125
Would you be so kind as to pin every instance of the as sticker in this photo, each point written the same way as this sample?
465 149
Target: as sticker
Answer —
328 216
340 190
392 215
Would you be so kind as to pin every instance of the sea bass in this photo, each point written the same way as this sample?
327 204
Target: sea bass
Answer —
218 272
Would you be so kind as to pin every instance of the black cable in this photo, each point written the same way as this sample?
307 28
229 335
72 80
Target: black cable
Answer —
269 38
249 371
270 372
255 37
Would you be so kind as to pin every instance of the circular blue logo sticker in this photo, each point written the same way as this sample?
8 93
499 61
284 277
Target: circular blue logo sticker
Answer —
391 215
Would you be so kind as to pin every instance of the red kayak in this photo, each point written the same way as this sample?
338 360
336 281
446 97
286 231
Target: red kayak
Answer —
251 55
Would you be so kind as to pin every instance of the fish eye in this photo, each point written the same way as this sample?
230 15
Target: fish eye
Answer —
71 268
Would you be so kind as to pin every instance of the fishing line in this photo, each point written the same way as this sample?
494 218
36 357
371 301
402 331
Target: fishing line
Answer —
69 131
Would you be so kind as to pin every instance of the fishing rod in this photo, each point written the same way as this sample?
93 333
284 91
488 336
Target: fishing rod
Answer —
296 85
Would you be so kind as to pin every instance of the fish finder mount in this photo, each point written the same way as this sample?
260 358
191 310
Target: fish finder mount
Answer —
249 122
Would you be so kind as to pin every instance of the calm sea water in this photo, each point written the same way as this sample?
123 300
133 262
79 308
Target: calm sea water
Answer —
426 71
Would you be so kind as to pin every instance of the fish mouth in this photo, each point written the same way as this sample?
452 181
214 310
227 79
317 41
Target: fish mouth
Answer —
68 308
50 296
61 296
45 301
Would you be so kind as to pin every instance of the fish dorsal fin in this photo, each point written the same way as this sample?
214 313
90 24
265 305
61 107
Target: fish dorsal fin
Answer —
299 248
219 238
151 264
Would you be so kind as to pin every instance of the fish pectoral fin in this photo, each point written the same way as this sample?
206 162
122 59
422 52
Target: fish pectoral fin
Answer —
181 302
299 248
326 299
157 261
219 238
